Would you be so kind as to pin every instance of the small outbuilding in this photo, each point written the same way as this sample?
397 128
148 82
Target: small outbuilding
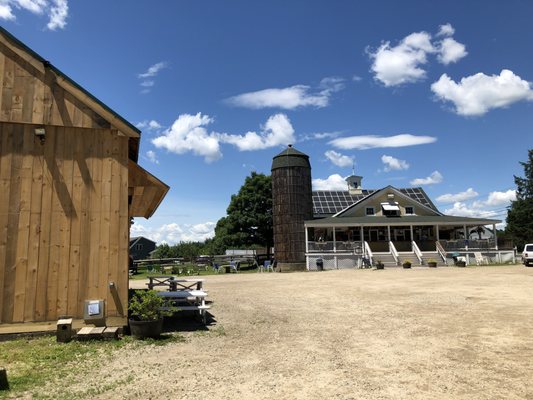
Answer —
69 186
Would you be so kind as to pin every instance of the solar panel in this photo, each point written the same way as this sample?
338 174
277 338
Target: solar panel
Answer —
329 202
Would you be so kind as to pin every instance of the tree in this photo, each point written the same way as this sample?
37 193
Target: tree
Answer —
248 222
520 213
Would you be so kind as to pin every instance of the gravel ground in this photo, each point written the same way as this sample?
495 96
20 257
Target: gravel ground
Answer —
444 333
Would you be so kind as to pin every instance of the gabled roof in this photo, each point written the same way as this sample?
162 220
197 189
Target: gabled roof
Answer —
330 202
42 65
364 201
135 240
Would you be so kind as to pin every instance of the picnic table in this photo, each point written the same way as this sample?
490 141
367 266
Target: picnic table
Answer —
174 284
186 300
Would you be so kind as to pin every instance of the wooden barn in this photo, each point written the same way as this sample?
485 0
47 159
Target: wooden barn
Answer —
69 185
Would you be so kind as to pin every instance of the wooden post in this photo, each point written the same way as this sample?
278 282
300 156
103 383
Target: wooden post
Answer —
495 236
4 384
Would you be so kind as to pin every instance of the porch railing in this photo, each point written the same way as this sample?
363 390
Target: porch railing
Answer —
394 253
472 244
441 251
342 247
417 252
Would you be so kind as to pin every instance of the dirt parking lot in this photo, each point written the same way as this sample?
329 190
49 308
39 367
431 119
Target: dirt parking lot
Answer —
444 333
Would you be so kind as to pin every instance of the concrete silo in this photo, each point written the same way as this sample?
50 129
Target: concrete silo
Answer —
292 205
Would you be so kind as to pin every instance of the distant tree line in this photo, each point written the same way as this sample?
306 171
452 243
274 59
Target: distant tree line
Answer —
247 225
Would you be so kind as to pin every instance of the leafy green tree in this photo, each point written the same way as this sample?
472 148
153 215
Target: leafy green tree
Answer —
520 214
248 223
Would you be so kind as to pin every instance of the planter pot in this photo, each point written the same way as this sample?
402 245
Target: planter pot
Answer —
461 264
432 264
406 265
146 329
380 266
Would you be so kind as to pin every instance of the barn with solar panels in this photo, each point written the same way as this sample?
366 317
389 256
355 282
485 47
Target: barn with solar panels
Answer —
356 227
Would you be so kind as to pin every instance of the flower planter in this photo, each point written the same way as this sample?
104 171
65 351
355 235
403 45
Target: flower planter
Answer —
461 264
406 265
380 266
432 264
146 329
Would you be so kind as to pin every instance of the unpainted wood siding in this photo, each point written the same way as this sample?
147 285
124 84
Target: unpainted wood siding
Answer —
64 221
33 96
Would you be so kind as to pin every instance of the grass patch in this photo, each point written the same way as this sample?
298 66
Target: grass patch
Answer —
31 363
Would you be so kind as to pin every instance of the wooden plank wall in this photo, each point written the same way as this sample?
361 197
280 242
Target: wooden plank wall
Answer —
33 96
63 221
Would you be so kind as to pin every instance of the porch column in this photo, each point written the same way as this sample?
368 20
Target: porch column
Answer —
437 234
362 238
412 235
495 236
388 233
334 241
466 245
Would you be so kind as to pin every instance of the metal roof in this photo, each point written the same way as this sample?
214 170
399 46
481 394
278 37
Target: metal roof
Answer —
290 157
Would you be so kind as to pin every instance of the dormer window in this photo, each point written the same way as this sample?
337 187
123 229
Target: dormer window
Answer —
409 210
390 209
370 211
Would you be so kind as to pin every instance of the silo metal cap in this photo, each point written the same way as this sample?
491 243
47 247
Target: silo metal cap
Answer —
290 157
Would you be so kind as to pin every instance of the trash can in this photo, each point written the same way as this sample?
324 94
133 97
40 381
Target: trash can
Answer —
319 264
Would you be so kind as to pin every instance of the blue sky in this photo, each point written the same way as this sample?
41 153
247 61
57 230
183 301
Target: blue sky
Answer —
414 93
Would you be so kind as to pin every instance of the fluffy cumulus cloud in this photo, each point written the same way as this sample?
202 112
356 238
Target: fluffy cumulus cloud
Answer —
374 141
291 97
460 209
392 163
174 233
501 198
276 131
458 197
477 94
434 178
188 133
404 63
56 10
340 160
332 182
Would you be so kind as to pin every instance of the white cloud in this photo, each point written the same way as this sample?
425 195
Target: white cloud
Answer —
151 125
188 134
451 51
339 159
477 94
291 97
404 63
276 131
174 233
58 15
152 156
460 209
434 178
374 141
147 83
392 163
400 64
56 10
319 136
332 182
446 30
461 196
501 198
153 70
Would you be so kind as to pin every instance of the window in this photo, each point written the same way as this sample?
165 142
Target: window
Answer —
138 247
370 211
390 209
409 210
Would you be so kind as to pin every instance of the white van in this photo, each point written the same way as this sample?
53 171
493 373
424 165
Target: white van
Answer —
527 254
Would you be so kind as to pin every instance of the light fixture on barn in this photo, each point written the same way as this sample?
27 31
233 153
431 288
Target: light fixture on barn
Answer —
40 133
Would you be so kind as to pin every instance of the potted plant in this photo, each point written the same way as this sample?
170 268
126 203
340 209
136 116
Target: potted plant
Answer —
146 314
379 265
432 263
406 263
